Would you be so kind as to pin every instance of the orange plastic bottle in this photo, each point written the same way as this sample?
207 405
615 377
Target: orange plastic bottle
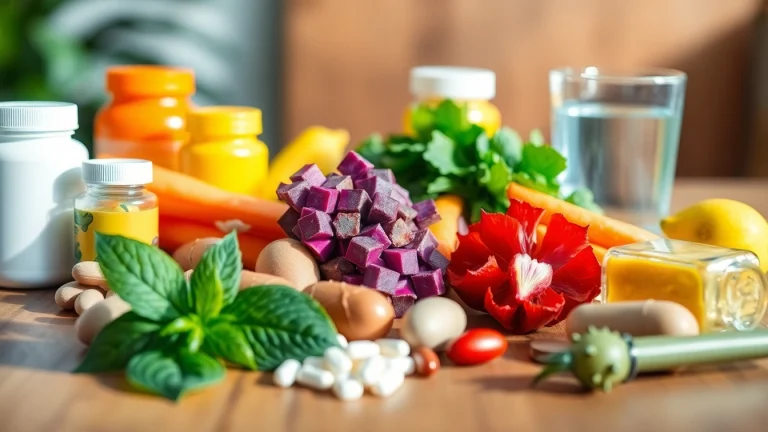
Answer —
146 118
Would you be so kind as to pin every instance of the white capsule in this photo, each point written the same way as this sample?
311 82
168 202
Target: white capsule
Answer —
315 378
371 370
362 349
337 361
393 347
405 365
318 362
342 340
388 383
348 389
285 374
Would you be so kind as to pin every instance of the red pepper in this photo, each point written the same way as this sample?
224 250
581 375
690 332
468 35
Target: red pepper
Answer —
501 268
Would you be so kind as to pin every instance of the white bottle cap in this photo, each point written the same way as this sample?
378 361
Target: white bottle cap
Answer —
453 83
37 117
117 172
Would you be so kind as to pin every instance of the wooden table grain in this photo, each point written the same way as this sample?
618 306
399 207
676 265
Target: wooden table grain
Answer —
38 348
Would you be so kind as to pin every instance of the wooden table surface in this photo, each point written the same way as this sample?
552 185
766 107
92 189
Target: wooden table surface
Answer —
38 348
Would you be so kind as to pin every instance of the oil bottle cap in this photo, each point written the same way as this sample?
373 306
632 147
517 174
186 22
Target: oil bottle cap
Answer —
117 172
460 83
149 80
223 121
38 117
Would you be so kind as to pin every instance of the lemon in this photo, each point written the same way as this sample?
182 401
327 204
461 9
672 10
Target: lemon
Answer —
721 222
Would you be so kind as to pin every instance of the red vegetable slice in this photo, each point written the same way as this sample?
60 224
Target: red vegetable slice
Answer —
472 252
578 281
502 235
474 283
562 242
547 308
528 216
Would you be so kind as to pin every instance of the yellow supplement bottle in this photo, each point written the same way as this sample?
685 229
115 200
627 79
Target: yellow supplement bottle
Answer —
115 202
223 149
470 88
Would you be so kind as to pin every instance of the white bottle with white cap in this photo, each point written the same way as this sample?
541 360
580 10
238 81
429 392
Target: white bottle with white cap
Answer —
39 180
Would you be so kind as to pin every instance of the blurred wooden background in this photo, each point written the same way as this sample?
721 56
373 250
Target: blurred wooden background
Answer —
346 62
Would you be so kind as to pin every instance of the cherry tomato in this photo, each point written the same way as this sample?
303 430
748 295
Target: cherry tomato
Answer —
477 346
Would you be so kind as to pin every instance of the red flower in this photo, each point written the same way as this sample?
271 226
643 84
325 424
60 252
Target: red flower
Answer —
500 268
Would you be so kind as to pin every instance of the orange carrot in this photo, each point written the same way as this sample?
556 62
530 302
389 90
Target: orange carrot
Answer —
183 197
176 232
602 231
449 207
599 251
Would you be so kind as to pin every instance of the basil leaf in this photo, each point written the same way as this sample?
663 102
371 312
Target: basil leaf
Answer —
543 160
442 154
281 323
229 264
182 324
226 340
144 276
117 343
207 291
509 145
172 375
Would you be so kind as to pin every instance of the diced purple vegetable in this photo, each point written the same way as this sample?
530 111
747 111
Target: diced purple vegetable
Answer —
338 182
343 244
323 199
374 185
427 213
377 233
378 261
315 226
309 173
412 226
353 279
381 278
424 242
354 201
383 209
294 194
354 165
322 249
403 298
288 222
307 211
346 225
336 269
406 213
403 192
395 195
403 261
296 232
384 174
438 261
362 251
423 267
428 284
399 233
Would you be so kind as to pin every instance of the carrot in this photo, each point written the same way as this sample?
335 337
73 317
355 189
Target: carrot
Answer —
599 251
602 230
176 232
183 197
449 207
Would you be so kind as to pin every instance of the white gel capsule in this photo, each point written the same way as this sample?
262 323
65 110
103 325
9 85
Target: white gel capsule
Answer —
362 349
315 378
371 370
388 383
348 389
406 365
285 374
318 362
342 340
393 347
337 361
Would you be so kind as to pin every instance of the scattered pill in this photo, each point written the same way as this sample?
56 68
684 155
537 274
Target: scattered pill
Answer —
348 389
109 294
371 370
89 273
638 318
67 294
426 361
362 349
96 318
285 374
318 362
388 383
337 361
476 346
87 299
406 365
313 377
394 347
342 340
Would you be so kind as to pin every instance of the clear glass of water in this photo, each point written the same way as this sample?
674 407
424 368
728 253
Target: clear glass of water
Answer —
620 135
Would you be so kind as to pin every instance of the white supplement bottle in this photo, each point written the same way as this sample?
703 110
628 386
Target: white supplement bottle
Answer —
39 180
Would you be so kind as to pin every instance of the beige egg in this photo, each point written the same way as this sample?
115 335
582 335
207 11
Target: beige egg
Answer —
87 299
90 323
67 294
89 273
433 322
249 279
289 259
189 254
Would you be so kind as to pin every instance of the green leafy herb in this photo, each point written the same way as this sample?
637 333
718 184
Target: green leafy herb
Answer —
179 334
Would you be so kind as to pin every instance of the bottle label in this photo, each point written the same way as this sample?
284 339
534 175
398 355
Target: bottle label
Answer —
141 225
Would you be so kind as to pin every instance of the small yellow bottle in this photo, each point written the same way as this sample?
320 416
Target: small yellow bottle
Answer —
223 148
115 202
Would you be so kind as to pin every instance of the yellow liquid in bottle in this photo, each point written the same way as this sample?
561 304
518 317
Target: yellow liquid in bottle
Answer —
125 220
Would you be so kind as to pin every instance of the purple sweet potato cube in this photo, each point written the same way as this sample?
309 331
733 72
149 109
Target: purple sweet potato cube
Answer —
309 173
437 261
323 199
403 261
406 213
424 242
353 279
403 192
346 225
377 233
399 233
383 209
354 165
336 268
322 249
428 284
381 278
294 194
397 196
426 213
343 243
384 174
423 267
374 185
307 211
403 298
378 261
354 201
338 182
315 226
363 251
288 222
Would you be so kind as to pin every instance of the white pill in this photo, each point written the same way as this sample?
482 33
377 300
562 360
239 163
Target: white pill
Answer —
405 365
389 382
362 349
342 340
394 347
315 378
348 389
337 361
371 370
285 374
318 362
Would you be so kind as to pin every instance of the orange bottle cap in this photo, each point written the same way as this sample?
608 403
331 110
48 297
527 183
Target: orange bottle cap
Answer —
223 121
150 80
